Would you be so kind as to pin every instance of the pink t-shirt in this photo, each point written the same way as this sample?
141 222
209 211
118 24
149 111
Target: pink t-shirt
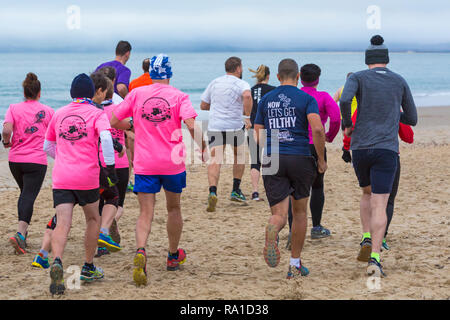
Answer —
157 112
30 120
76 130
120 136
328 108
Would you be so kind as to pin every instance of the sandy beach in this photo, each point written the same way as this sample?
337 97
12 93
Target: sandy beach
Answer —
224 248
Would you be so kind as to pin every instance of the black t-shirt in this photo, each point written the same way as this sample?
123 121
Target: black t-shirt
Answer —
258 91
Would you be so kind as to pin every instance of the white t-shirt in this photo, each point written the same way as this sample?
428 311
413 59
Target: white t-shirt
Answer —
117 99
224 94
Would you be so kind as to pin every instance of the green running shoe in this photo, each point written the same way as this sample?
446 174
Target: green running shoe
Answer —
19 243
238 196
385 245
89 274
295 272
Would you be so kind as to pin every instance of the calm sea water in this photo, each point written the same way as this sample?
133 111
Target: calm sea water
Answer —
426 73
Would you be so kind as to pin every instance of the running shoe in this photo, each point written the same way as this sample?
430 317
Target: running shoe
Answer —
288 243
130 187
385 245
375 269
18 243
140 270
106 241
212 201
101 251
238 196
91 274
365 251
40 262
57 278
173 263
255 196
319 232
295 272
114 232
271 251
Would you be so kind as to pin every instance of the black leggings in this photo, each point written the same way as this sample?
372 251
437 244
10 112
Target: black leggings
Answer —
29 177
391 201
123 175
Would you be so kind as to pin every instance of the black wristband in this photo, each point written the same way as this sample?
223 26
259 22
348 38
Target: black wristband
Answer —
131 124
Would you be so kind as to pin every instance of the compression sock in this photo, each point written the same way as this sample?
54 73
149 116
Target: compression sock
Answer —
236 184
375 256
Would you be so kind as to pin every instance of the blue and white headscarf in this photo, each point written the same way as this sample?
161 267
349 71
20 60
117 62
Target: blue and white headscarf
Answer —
160 67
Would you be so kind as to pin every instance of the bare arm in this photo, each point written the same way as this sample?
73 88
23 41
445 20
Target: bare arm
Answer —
122 89
336 95
205 106
124 124
248 102
6 134
318 134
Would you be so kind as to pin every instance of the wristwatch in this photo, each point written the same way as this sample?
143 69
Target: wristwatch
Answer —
131 124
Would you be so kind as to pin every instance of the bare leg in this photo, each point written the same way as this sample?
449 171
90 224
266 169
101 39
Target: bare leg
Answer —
174 220
279 214
47 240
239 162
215 164
254 174
144 222
378 220
23 227
59 237
92 230
108 213
119 213
299 224
365 209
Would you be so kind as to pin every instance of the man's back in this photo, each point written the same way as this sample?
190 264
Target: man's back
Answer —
224 94
286 109
380 94
123 74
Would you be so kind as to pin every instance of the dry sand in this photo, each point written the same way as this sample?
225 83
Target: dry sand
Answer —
225 248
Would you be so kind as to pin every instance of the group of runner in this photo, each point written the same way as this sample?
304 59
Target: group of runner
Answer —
109 117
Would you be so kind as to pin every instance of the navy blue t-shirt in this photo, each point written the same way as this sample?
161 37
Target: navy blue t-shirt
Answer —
286 109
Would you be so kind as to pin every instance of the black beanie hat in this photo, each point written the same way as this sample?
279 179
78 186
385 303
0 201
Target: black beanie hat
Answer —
377 52
82 87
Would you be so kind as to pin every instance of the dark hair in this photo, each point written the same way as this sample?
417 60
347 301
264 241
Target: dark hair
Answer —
146 65
110 92
109 72
232 64
122 48
31 86
310 72
287 69
100 80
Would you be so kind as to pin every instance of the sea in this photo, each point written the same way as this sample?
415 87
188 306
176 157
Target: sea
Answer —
426 73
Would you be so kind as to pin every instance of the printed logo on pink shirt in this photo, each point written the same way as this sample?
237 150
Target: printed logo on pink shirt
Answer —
38 119
73 128
156 110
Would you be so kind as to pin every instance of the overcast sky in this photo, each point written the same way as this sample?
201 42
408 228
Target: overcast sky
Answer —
226 24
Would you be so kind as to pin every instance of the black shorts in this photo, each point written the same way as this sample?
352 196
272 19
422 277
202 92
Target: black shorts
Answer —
81 197
294 177
318 181
375 168
221 138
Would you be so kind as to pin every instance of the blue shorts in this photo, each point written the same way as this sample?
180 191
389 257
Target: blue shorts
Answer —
153 183
375 168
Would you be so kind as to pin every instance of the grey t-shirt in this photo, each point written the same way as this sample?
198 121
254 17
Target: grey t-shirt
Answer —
381 95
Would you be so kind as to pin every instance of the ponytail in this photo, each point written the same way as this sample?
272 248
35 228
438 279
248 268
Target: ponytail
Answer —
261 73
